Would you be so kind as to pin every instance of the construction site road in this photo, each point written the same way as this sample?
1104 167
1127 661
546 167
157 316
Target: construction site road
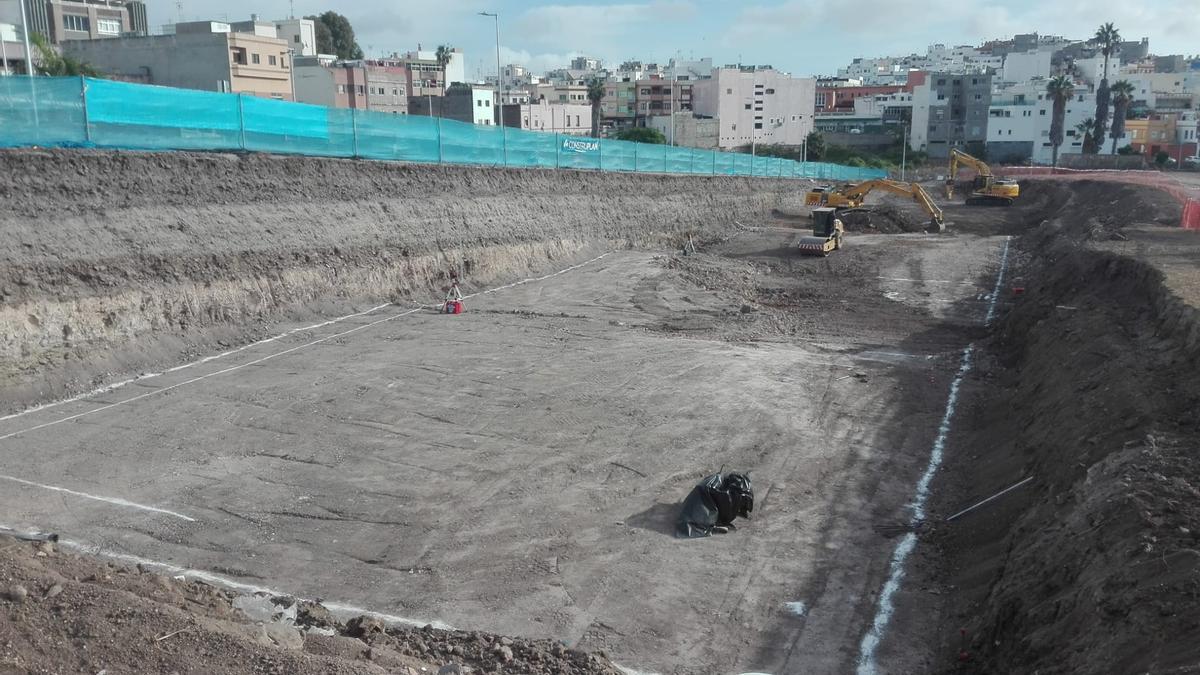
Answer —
518 468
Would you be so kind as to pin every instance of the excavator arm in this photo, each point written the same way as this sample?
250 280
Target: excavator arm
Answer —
915 192
988 189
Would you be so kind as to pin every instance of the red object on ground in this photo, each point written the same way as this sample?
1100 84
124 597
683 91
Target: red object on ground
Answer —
1018 290
1191 215
454 307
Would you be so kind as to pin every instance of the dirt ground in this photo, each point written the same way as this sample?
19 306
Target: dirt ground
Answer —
516 470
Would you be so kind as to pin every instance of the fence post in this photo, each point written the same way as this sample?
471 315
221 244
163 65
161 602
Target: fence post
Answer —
241 125
354 129
665 169
87 125
439 139
714 162
600 149
557 151
635 147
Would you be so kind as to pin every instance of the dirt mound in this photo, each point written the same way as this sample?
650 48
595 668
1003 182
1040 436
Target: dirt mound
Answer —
67 613
1093 567
882 219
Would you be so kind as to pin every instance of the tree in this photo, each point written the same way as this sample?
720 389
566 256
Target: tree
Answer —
1161 158
51 63
1060 89
642 135
337 36
595 94
1084 129
815 144
1126 150
442 55
1122 92
1109 39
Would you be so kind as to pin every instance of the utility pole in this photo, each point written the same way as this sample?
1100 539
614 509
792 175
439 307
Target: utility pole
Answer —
499 86
903 152
25 33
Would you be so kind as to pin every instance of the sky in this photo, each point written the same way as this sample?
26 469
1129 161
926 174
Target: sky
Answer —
809 37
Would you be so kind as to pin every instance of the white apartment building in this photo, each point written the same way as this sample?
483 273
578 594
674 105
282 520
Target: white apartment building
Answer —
1149 86
301 35
1021 67
560 118
756 106
1019 124
1092 69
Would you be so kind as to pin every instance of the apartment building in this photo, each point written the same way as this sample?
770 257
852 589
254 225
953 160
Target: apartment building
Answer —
206 55
322 80
300 34
561 118
756 105
470 103
1174 133
387 88
659 96
63 20
1018 124
835 95
950 110
618 108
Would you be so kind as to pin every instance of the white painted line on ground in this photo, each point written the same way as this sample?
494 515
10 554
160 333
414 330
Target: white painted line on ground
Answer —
930 281
886 607
109 500
145 376
991 313
268 357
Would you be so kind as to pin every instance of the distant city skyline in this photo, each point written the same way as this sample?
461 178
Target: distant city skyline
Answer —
811 37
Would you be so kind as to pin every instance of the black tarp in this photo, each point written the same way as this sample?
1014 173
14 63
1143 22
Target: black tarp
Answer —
715 502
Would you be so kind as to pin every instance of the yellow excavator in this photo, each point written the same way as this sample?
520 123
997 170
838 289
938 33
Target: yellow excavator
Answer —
986 189
851 196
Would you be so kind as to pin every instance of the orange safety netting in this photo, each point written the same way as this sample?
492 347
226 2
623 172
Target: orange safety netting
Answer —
1188 197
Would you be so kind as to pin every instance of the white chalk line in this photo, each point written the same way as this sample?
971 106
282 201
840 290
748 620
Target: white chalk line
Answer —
145 376
991 313
344 610
290 350
110 500
174 570
886 608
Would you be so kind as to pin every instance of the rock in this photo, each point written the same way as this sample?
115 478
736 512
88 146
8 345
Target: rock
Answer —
746 309
505 653
16 593
54 590
362 625
453 669
284 636
46 547
506 641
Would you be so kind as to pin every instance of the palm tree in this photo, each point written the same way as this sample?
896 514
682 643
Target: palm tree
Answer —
443 59
1122 92
1060 89
1084 129
1109 39
595 94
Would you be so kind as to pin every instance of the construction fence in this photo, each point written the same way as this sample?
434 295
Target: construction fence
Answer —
92 113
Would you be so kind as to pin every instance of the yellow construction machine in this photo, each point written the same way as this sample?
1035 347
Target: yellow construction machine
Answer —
986 189
827 233
851 196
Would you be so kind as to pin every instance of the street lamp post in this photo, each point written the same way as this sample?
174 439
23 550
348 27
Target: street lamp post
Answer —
291 55
499 86
25 32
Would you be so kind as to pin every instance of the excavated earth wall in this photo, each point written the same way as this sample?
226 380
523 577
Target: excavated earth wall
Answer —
1089 387
116 262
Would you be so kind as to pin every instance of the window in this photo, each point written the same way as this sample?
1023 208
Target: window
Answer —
108 26
1042 113
296 39
747 106
271 60
341 88
942 82
978 97
359 89
1010 132
577 120
568 120
77 23
646 91
395 91
941 97
239 56
255 58
728 91
758 125
770 91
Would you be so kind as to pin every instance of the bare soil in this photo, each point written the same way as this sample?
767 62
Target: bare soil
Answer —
515 470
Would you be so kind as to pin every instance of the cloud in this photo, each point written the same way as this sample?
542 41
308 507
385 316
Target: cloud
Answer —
604 30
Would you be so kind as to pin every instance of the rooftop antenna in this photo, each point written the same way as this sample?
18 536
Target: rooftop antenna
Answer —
179 10
292 9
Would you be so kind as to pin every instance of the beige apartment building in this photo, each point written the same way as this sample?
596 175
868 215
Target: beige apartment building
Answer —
204 55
